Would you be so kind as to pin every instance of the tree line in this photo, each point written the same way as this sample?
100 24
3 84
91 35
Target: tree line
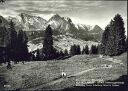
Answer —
76 50
16 49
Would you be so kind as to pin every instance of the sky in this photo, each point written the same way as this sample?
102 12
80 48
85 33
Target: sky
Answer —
80 11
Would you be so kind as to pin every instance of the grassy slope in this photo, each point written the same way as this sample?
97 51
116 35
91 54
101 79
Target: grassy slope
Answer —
61 42
39 73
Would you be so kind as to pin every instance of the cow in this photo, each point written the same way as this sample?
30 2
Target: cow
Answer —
63 74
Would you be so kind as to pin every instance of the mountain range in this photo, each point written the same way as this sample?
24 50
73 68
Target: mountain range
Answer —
34 26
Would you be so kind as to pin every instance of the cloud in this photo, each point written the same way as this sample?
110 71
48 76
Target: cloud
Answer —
49 6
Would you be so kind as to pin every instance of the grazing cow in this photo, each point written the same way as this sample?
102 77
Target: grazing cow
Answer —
63 74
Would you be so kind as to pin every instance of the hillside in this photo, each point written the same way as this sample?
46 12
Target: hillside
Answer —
61 42
79 69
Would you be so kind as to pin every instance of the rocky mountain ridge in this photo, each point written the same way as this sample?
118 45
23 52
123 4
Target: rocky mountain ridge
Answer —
62 26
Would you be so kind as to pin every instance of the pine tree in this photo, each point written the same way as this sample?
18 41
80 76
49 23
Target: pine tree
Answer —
61 53
73 50
113 40
94 49
20 45
83 50
22 48
3 44
120 34
48 50
104 40
33 57
110 43
38 58
86 51
98 49
25 47
78 50
12 47
66 52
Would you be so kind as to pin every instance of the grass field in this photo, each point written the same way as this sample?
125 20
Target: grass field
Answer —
79 69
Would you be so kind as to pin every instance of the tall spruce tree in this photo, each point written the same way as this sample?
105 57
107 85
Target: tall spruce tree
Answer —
22 48
78 50
25 48
110 43
66 52
113 39
61 53
94 49
83 50
73 50
20 45
86 50
104 40
120 34
48 50
38 58
3 44
98 48
12 47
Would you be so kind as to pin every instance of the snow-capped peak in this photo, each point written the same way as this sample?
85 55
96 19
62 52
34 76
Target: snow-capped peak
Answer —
83 26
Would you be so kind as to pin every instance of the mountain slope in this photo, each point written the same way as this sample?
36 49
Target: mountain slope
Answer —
96 29
96 32
60 25
32 23
17 22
